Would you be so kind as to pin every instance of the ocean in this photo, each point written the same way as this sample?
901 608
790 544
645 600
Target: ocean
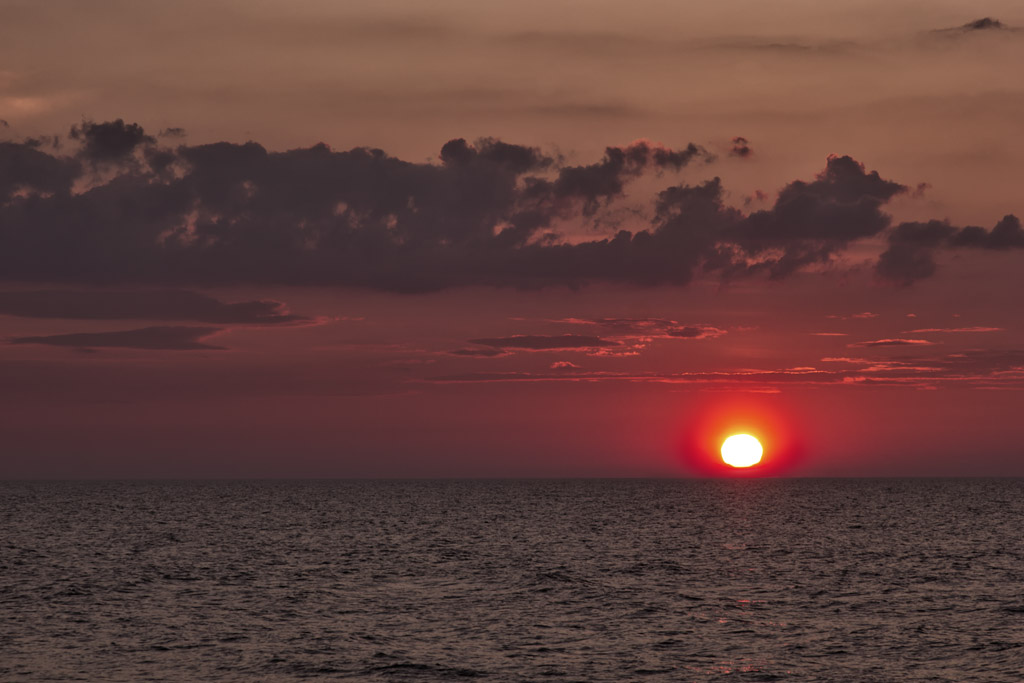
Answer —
533 580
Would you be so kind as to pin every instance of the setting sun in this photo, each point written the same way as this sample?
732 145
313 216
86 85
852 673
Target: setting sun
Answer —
741 450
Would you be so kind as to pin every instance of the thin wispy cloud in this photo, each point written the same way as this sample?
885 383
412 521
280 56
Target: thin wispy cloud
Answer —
893 342
163 338
925 330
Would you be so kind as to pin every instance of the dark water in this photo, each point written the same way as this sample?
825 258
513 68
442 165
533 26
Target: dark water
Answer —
802 580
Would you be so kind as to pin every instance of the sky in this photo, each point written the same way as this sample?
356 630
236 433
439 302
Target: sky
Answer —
532 239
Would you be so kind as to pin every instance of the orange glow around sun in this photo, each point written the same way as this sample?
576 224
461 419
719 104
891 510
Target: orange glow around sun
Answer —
741 450
772 446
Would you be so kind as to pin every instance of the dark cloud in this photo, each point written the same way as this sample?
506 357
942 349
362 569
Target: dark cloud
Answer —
51 141
1007 234
170 338
487 213
844 192
909 256
741 147
544 342
481 353
811 222
983 24
236 213
111 140
694 332
28 170
144 304
912 246
606 179
979 29
516 158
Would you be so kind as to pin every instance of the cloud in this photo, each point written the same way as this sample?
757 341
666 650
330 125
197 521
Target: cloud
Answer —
111 140
516 158
143 304
812 221
741 147
171 338
1006 234
866 315
954 329
481 353
894 342
723 378
694 332
909 256
975 369
535 342
485 213
747 379
985 24
912 246
26 169
236 213
622 325
606 179
649 327
842 204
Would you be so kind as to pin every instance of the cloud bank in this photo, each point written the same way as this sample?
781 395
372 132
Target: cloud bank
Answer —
113 205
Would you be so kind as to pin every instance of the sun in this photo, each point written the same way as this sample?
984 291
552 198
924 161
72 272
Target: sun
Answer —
741 450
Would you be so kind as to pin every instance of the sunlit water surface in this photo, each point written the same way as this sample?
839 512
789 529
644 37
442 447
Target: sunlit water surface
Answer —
753 580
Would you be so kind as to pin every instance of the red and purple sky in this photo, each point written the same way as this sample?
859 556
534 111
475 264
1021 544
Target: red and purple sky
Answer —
510 239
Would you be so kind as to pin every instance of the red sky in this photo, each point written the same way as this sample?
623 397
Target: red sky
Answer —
526 240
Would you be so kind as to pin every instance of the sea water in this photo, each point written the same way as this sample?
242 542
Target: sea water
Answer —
582 580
